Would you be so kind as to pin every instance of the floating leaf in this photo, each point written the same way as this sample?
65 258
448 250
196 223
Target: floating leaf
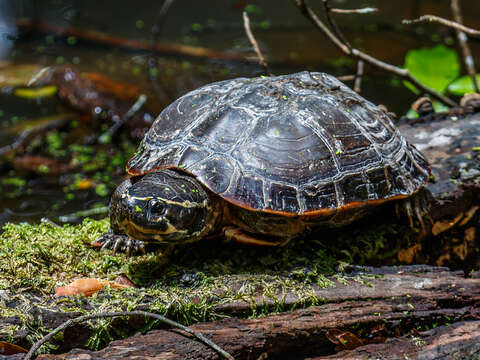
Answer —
463 85
17 75
435 67
35 93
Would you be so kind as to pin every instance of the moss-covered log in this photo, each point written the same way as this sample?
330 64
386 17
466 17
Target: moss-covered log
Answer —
395 309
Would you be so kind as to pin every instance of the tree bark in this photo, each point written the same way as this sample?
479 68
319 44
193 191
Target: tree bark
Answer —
423 312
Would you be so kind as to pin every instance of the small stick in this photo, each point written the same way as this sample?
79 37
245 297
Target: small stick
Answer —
28 135
106 136
358 77
160 21
261 58
462 40
357 54
153 61
366 10
163 319
448 23
334 25
81 214
357 85
346 77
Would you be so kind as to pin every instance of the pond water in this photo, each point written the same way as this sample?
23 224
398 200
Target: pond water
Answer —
56 32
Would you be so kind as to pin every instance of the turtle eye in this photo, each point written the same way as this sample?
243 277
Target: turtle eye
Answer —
157 207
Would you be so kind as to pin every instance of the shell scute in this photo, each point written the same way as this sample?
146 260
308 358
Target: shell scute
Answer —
293 144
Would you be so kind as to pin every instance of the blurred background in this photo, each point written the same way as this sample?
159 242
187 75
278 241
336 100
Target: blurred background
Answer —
63 144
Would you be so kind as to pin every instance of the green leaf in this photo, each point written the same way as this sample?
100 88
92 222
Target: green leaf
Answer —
437 106
411 114
463 85
435 67
411 87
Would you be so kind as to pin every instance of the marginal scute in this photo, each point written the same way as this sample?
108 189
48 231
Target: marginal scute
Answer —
299 143
354 188
319 196
283 198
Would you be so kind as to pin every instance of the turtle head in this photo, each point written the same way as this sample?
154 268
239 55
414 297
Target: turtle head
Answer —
164 206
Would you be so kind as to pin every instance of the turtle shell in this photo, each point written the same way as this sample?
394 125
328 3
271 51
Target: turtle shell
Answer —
295 144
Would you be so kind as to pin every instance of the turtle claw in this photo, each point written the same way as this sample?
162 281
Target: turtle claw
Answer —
416 208
120 243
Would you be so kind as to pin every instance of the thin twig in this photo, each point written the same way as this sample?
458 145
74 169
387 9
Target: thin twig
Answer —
462 40
248 30
160 20
26 136
163 319
83 213
334 25
357 54
339 34
157 29
366 10
357 85
346 77
448 23
107 136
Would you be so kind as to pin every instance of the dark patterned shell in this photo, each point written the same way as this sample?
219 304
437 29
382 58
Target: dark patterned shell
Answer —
294 144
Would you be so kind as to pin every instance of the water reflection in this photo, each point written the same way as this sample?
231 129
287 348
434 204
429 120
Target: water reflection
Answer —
287 39
8 29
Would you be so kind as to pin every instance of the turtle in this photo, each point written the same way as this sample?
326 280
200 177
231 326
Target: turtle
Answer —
262 161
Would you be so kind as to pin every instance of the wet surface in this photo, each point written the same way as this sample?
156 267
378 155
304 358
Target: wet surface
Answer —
288 41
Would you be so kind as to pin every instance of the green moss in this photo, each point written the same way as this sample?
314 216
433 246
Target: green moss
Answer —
40 257
190 286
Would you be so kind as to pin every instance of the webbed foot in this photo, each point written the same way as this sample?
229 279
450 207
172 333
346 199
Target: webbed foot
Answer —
120 242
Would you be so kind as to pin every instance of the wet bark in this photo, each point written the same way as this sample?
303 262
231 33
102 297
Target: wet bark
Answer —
389 316
450 145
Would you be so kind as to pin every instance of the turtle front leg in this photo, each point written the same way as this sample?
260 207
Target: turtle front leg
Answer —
120 242
238 235
416 208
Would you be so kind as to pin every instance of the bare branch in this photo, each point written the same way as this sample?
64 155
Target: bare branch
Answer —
161 318
438 19
357 85
346 77
106 136
366 10
248 30
357 54
334 25
153 59
462 40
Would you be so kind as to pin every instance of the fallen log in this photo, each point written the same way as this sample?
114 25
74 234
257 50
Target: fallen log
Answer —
457 341
398 306
451 146
97 37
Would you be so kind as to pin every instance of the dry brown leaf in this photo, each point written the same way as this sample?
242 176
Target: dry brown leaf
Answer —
120 90
346 339
86 287
10 349
407 256
123 281
444 225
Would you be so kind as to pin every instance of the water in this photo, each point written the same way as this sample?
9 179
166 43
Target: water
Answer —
289 42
